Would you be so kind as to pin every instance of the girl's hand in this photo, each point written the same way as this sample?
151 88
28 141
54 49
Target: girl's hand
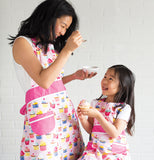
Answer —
91 112
81 75
74 41
87 124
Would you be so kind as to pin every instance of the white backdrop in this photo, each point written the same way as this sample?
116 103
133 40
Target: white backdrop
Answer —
118 31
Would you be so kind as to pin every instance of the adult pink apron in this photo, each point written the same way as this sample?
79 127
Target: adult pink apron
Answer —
51 128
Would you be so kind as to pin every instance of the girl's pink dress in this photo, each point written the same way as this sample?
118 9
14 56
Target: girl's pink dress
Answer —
102 146
51 128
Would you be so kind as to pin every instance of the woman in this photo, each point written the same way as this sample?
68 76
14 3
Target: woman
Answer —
41 48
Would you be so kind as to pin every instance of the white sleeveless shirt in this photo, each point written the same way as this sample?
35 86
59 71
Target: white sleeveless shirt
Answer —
22 75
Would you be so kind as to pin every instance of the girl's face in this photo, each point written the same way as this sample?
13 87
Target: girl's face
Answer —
61 26
110 85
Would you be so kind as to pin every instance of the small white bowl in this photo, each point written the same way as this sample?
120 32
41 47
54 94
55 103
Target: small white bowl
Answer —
90 69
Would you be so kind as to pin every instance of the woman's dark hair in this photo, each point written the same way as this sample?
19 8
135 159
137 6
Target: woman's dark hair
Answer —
39 24
126 91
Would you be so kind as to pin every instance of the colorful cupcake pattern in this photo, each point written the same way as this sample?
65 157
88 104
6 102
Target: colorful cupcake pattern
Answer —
102 146
66 133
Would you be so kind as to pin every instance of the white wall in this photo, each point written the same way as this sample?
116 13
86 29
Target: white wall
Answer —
120 31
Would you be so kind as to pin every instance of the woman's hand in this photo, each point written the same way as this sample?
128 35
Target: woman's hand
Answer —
81 75
73 42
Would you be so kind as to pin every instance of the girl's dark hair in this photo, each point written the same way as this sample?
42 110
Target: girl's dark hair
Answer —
43 18
126 91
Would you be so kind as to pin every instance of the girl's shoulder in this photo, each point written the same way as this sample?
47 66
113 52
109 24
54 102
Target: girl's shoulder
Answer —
124 112
123 105
126 107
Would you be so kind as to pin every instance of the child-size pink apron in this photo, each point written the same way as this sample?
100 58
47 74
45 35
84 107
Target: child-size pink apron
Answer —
102 146
51 128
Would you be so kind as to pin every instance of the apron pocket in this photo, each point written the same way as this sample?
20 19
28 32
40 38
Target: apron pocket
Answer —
118 148
43 123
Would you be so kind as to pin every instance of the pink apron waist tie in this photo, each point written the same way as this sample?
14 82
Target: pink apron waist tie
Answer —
100 129
37 92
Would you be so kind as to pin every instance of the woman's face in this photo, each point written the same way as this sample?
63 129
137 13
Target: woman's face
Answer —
62 24
110 84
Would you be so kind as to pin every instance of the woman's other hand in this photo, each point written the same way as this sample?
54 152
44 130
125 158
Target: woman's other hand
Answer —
81 75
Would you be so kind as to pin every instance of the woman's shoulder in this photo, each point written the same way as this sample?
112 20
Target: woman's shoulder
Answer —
29 40
21 46
23 39
22 42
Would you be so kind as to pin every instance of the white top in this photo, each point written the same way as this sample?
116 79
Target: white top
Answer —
22 75
125 113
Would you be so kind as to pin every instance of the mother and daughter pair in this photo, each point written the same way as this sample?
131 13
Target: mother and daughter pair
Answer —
42 46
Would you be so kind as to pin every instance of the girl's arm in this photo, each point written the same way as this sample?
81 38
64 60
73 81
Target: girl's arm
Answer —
23 55
114 130
86 124
79 74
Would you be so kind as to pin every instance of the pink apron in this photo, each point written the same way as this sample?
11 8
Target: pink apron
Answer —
102 146
51 128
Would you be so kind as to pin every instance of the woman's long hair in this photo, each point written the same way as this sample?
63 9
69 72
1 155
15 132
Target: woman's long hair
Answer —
43 18
126 91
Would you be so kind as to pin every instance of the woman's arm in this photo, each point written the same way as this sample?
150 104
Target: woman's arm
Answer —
68 78
79 74
23 55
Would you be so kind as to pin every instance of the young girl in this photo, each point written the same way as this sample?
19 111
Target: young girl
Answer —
110 117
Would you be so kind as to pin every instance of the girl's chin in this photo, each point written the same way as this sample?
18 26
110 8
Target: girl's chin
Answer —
103 92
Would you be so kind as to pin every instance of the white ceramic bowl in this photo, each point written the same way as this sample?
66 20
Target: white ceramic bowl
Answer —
90 69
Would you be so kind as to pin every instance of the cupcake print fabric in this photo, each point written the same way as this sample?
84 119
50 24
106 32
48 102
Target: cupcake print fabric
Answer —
51 128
